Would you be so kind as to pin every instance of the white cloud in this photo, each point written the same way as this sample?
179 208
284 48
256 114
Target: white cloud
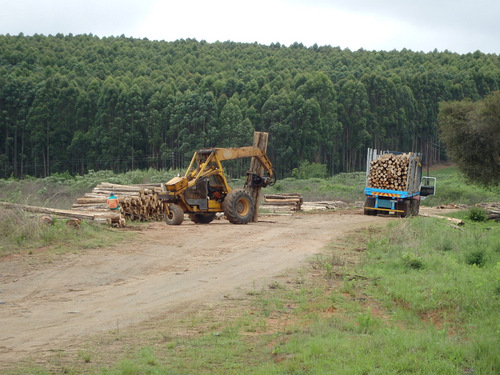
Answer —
103 18
458 25
265 22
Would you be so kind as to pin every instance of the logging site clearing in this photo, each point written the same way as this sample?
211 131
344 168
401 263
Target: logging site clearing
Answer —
54 302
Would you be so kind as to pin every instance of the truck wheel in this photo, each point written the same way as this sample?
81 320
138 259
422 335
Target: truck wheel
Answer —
370 202
405 207
414 207
176 216
238 207
202 218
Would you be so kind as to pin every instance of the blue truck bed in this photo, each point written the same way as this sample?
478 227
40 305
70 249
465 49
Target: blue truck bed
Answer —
390 193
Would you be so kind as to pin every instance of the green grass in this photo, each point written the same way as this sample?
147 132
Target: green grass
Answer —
449 293
22 232
452 188
347 187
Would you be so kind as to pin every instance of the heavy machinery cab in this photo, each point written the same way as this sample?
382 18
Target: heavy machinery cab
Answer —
203 189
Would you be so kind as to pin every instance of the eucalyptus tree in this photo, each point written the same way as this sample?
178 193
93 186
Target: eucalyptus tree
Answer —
471 132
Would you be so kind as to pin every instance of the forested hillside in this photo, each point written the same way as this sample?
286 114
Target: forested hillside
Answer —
75 103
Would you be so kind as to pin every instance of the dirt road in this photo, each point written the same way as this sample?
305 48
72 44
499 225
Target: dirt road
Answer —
47 304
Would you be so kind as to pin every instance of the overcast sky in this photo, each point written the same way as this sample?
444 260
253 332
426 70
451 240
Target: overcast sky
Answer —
419 25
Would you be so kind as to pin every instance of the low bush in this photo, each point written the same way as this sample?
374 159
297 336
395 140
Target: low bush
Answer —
412 261
476 257
477 214
308 170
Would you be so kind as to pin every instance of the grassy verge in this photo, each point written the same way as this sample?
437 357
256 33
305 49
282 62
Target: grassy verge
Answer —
22 232
442 283
61 190
452 188
418 297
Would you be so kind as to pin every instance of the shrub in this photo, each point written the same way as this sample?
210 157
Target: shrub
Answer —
477 214
310 170
476 257
412 261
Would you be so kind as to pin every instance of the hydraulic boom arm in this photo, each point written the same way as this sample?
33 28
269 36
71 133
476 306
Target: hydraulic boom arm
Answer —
241 152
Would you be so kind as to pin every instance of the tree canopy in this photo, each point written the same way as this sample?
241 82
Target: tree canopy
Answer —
471 132
76 103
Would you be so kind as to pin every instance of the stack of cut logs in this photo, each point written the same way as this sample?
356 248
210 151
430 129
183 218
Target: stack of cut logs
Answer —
290 202
137 202
389 171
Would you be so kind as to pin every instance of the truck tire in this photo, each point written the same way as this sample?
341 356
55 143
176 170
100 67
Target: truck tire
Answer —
204 218
238 207
176 216
414 207
370 202
405 207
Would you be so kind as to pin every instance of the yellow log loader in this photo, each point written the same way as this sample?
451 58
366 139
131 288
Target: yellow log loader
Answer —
203 190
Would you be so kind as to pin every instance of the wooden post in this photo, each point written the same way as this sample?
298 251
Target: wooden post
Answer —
259 141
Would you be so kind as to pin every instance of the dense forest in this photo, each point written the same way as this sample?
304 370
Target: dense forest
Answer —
79 102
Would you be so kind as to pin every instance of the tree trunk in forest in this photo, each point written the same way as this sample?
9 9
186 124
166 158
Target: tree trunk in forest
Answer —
47 164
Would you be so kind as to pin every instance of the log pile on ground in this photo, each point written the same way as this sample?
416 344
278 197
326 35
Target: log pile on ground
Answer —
452 206
137 202
112 218
324 205
280 202
389 171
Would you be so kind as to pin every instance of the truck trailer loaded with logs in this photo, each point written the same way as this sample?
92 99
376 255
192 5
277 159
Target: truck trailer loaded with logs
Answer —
394 183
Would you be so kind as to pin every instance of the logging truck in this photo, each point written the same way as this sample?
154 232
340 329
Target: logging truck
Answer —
394 183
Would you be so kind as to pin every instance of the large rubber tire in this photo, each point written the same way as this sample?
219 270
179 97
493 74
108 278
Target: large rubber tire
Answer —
370 202
238 207
204 218
405 207
176 216
414 207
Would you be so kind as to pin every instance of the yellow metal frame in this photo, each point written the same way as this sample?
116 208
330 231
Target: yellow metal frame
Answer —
382 209
206 163
194 174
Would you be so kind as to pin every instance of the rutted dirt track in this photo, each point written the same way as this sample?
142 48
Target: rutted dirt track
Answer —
46 305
